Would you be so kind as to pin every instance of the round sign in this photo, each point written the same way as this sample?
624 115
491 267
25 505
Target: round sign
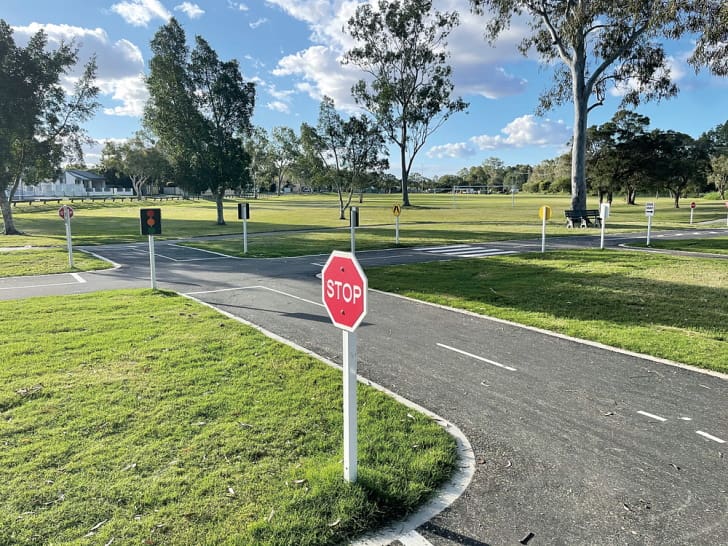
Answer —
344 290
692 205
62 212
544 213
397 210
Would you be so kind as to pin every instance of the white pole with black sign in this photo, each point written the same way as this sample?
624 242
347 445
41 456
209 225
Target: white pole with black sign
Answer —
354 222
396 210
649 212
244 214
67 213
604 213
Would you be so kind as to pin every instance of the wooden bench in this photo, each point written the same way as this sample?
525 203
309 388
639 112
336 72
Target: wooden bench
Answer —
581 218
37 200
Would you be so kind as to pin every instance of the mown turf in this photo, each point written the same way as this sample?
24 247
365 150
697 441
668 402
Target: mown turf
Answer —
140 417
46 261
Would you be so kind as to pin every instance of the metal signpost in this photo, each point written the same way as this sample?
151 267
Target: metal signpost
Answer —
544 213
649 212
604 213
726 217
244 215
396 210
354 222
692 210
66 213
344 294
150 221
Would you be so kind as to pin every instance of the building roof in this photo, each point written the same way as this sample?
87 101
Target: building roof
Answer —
85 175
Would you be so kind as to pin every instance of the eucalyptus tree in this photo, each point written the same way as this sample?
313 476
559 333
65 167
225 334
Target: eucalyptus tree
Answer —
402 49
200 108
596 44
139 158
258 147
40 124
680 162
285 151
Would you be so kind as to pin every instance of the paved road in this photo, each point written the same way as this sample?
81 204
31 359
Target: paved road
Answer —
575 444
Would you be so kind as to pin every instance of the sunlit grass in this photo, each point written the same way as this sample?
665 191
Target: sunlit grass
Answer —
46 261
139 417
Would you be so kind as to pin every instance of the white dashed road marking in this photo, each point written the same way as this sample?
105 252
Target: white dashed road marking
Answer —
710 437
476 357
652 416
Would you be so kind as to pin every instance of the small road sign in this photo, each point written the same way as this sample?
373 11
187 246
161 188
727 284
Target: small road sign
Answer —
692 205
62 212
344 290
544 213
396 210
649 209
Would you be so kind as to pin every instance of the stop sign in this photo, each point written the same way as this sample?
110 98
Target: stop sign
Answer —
344 290
692 205
65 209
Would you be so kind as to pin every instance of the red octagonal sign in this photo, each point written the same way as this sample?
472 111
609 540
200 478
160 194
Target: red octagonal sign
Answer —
344 290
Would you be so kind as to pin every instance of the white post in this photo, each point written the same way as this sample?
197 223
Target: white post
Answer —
245 236
350 421
69 243
513 197
691 215
152 269
604 224
396 230
543 233
649 228
352 234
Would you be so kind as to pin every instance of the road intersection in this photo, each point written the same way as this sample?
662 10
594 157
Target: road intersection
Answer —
572 442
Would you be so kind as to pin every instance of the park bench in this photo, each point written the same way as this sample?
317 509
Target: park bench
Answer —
37 200
581 218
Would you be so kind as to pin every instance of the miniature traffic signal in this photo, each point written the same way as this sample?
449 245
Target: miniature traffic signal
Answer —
151 221
243 211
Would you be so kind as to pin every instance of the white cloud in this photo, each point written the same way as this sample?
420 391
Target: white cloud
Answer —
456 149
526 131
193 11
676 68
140 12
119 64
237 6
255 24
279 106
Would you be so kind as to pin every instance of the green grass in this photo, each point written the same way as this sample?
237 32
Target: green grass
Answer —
712 245
46 261
436 217
141 417
665 306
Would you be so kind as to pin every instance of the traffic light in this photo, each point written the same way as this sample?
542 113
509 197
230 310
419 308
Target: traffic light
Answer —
243 211
151 221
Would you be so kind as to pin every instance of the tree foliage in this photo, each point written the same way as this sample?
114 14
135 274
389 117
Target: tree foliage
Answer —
40 124
138 158
200 108
598 44
285 151
402 48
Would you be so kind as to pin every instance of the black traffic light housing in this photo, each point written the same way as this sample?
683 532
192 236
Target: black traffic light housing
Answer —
243 211
354 216
151 221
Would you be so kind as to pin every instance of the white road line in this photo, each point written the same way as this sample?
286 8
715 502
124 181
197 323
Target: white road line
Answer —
201 250
256 287
652 416
78 277
483 253
36 286
413 538
710 437
448 247
476 249
476 357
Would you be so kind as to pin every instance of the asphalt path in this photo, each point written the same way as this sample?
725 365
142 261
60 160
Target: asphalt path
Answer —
574 443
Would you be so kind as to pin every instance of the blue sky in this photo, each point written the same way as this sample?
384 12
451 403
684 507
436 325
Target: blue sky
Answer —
290 49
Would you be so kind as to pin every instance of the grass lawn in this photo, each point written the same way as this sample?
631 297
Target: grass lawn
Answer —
45 261
665 306
140 417
713 245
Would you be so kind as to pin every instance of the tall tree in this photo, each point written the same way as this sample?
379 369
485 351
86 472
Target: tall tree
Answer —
285 149
258 146
710 22
599 43
402 47
138 158
200 108
40 124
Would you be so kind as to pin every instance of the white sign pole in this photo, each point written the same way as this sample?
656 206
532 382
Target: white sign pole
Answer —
649 228
691 215
245 235
351 221
152 262
604 214
350 421
543 234
396 230
69 243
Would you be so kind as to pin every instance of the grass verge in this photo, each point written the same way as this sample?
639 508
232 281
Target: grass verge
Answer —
666 306
140 417
36 261
713 245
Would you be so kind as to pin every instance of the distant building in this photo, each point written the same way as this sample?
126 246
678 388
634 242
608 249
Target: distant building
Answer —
91 182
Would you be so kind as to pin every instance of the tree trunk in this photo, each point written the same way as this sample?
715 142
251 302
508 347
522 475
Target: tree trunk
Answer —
8 223
218 202
578 146
405 172
342 208
676 197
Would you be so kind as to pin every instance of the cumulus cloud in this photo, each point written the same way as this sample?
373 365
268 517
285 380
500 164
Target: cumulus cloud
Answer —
239 6
140 12
193 11
676 69
279 106
456 149
120 63
258 22
526 130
